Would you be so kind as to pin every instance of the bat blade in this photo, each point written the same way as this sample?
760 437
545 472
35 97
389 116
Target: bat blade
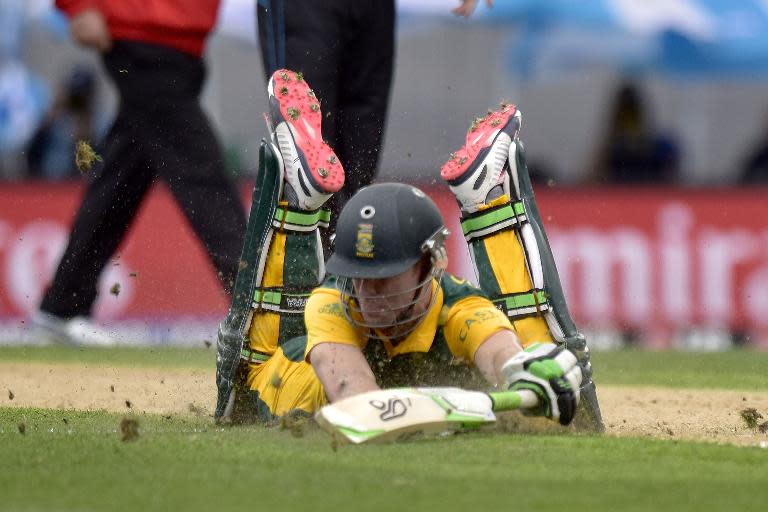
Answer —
396 414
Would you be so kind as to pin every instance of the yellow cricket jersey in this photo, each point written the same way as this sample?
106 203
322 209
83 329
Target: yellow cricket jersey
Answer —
439 352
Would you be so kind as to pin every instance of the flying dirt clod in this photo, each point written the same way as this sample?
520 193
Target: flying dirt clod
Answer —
85 156
129 428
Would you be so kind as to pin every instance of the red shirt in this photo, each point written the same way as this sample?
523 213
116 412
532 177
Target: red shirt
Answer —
180 24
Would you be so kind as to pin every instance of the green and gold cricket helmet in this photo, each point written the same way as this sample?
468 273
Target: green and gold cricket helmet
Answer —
384 229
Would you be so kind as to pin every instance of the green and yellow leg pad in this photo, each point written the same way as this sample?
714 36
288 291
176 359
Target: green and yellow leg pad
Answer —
515 266
258 236
500 262
294 267
281 262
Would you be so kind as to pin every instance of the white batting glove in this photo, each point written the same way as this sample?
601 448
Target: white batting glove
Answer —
550 371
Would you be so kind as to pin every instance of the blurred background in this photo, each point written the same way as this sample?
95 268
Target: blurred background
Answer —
645 124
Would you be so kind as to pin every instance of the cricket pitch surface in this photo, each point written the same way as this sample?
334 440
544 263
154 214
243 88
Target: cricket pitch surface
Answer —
639 411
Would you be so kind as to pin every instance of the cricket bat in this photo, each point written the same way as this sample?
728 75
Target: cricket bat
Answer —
400 413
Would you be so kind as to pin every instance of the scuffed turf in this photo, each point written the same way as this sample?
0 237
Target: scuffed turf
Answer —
67 460
735 369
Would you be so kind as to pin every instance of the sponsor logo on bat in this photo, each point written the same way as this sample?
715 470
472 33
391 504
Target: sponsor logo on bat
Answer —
392 408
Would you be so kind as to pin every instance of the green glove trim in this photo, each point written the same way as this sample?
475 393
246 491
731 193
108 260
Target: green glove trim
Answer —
546 407
505 401
546 369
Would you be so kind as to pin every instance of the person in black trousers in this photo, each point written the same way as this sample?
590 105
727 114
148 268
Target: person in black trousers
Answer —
345 49
160 132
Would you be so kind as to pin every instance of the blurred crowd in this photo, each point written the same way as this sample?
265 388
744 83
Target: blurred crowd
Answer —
47 151
50 152
631 149
42 118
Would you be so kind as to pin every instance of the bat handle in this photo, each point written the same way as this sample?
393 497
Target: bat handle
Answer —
511 400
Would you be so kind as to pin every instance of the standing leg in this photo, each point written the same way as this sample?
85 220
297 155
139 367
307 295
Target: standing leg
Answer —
189 160
305 36
364 88
187 156
106 212
345 50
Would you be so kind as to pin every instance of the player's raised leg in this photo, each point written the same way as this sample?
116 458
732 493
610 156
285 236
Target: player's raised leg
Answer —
312 170
509 248
282 259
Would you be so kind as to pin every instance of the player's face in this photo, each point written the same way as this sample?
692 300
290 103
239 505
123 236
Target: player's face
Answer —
390 302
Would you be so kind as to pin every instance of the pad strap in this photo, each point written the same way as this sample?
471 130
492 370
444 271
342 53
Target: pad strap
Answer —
486 222
280 301
302 221
517 305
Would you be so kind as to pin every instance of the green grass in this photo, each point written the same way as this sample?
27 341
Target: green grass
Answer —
736 369
189 464
120 356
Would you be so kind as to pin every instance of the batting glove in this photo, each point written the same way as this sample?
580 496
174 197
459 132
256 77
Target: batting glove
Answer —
550 371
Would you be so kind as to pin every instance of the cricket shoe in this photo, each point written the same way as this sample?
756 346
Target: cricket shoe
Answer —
479 171
312 170
77 331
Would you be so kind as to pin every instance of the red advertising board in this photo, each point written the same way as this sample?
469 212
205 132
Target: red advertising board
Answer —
658 256
161 267
637 258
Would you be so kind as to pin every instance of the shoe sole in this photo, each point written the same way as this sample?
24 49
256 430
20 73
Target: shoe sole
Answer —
480 139
293 103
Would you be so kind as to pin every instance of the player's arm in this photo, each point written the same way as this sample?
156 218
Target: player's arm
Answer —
479 332
342 369
334 347
496 350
